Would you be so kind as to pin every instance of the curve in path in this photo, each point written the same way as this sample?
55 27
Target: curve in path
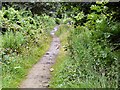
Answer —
39 75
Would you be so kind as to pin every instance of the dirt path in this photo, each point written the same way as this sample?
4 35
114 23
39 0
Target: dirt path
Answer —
39 75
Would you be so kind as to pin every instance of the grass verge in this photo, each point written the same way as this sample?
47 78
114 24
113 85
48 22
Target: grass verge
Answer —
62 58
15 73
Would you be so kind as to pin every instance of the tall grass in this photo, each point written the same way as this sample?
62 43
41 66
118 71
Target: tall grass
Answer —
25 39
18 66
90 62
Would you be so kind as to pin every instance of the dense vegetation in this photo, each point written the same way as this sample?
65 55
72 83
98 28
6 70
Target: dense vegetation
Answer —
23 40
90 42
93 53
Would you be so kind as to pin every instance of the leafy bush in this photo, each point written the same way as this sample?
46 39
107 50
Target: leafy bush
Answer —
13 40
22 24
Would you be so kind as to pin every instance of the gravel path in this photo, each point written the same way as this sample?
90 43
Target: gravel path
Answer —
39 75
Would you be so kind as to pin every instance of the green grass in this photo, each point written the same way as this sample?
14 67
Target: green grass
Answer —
16 72
78 72
62 57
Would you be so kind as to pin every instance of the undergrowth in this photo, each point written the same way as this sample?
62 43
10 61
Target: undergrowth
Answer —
93 53
24 38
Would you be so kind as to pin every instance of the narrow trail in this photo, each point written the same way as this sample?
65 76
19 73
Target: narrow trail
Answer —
39 75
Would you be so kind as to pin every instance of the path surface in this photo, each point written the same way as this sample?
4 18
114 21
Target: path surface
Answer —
39 75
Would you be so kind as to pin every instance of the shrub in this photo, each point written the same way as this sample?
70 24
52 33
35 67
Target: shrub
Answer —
13 40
